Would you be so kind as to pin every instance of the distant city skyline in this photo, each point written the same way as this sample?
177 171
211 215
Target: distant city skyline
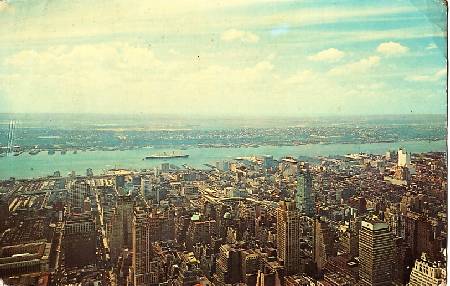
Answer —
218 58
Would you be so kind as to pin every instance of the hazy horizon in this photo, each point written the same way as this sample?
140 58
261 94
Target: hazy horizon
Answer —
178 122
228 114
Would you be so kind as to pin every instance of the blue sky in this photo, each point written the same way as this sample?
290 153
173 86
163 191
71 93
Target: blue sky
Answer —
282 58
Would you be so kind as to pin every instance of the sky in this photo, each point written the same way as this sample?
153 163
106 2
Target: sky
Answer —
230 57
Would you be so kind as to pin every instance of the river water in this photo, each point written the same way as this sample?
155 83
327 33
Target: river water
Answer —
42 164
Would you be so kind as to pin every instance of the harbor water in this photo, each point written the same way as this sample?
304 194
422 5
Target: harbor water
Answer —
43 164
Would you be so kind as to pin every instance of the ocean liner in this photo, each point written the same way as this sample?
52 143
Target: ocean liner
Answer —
165 155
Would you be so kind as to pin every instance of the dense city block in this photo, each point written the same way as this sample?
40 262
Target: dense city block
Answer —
360 219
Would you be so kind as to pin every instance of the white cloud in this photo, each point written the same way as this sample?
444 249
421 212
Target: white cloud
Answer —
391 48
222 74
301 77
431 46
329 55
441 73
238 35
318 15
115 54
4 5
120 77
438 75
341 36
179 73
66 19
360 66
94 77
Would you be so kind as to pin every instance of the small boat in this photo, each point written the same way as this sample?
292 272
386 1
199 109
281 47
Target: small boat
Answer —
34 152
17 153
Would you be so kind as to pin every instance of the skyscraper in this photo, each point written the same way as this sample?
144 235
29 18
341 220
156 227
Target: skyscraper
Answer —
423 235
323 244
116 235
404 161
79 241
125 213
200 231
147 229
404 158
228 265
288 236
150 190
267 161
375 253
426 272
303 195
79 191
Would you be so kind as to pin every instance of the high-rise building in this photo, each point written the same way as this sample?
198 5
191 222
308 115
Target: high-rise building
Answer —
288 166
404 158
79 190
4 211
147 229
125 218
423 235
390 155
349 238
268 161
116 235
120 181
150 190
200 231
349 242
427 272
404 161
121 226
323 244
165 167
223 165
80 240
89 172
250 264
228 266
272 274
403 262
289 229
190 272
375 253
303 195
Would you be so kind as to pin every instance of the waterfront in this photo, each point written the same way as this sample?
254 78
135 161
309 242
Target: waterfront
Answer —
42 164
